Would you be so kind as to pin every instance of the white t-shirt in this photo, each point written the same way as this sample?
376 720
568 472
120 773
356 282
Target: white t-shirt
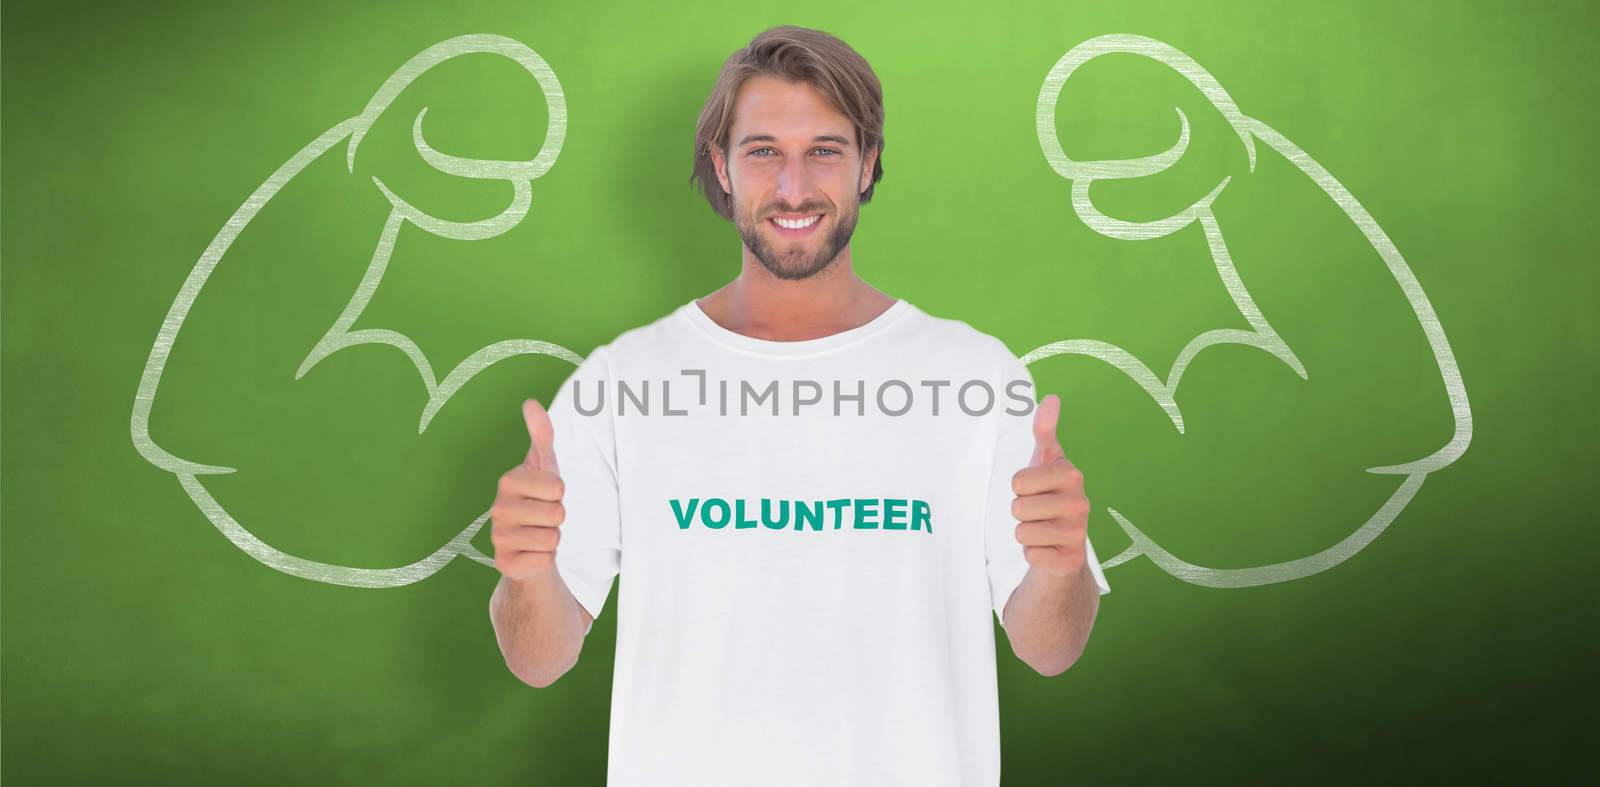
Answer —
807 578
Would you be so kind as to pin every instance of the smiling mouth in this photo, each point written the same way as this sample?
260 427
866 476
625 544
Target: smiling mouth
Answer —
795 228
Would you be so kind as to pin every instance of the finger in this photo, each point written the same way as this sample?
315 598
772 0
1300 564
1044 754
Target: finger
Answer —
1046 447
514 514
1059 559
1051 476
526 539
518 563
1047 534
523 481
1047 505
541 435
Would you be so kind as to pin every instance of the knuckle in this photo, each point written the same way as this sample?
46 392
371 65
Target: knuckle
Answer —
1075 531
501 538
507 562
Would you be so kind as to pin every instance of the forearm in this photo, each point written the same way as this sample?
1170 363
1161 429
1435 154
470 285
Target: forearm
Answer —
1048 618
539 625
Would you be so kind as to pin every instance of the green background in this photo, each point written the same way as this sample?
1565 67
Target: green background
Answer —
140 646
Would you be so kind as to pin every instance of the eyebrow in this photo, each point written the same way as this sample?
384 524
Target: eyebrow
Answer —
835 138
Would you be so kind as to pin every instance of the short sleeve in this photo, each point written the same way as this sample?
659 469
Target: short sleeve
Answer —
589 554
1007 565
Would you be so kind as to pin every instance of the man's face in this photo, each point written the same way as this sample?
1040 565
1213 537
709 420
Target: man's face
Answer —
792 156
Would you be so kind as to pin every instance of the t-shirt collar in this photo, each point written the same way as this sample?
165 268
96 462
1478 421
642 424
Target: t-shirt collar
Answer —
696 316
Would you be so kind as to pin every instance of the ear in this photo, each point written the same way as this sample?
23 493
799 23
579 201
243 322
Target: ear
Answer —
868 164
720 161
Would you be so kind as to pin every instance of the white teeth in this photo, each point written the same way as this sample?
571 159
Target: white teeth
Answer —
796 225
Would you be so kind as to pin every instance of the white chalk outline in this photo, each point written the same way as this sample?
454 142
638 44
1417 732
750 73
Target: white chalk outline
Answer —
1261 335
519 173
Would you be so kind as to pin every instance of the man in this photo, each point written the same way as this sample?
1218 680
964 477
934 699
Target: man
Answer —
812 502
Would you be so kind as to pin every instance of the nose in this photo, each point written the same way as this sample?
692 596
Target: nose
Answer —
794 182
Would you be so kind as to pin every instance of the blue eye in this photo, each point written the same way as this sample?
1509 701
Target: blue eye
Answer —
834 153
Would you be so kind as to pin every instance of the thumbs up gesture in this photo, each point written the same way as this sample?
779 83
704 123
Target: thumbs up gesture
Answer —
1051 510
527 510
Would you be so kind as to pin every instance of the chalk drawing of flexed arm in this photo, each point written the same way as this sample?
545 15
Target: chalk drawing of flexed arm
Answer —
519 174
1260 334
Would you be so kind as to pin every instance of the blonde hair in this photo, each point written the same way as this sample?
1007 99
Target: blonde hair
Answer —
797 54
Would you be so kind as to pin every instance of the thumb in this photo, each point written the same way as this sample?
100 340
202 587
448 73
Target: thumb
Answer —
542 435
1046 447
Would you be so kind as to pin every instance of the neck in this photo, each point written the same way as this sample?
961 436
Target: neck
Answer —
762 306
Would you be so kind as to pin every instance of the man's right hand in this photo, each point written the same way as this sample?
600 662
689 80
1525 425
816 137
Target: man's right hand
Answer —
527 510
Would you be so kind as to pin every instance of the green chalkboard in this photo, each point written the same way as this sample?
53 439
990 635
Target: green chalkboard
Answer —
1316 285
